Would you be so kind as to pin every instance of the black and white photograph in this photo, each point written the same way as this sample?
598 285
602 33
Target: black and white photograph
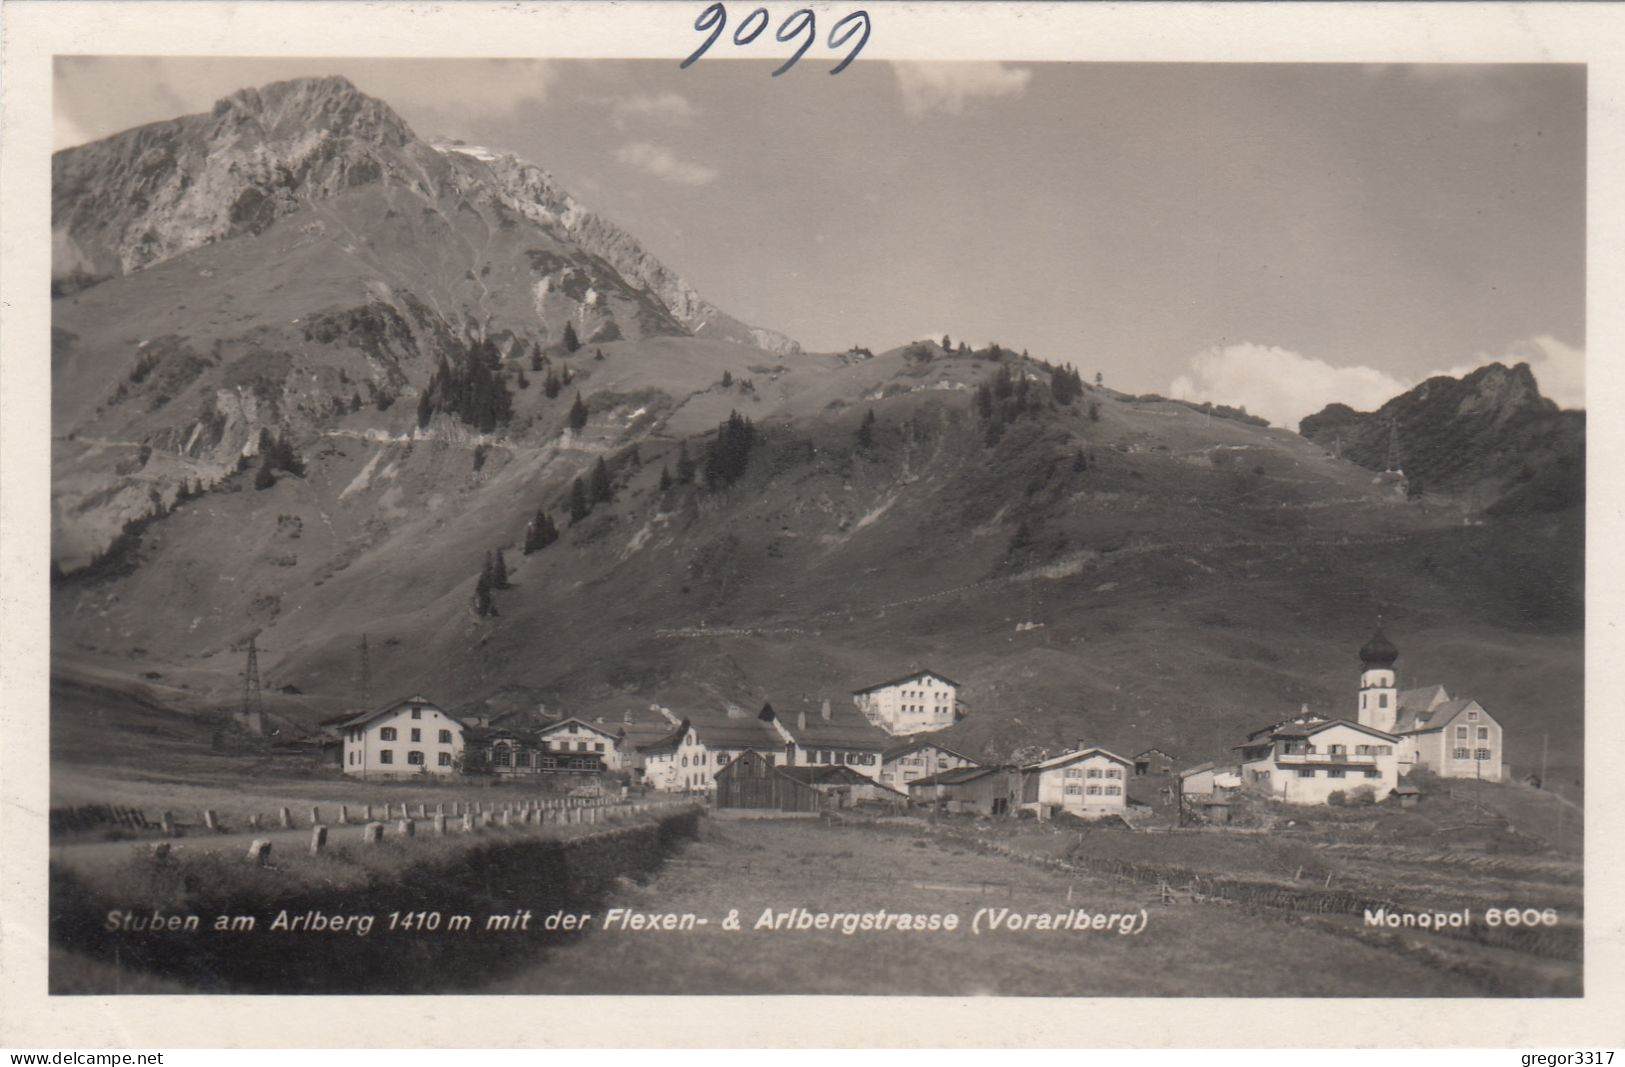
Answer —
782 520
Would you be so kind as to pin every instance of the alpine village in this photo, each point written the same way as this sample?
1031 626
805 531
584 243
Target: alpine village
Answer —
423 546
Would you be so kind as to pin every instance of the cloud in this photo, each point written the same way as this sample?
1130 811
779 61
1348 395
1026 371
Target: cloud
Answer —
1279 384
664 164
672 109
945 87
1284 386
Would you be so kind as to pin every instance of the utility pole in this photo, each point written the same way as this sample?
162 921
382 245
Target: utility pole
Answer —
366 677
252 704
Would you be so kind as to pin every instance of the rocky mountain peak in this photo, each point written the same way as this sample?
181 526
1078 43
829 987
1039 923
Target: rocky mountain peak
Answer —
299 106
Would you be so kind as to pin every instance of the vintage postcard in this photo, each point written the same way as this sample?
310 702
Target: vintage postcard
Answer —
1062 507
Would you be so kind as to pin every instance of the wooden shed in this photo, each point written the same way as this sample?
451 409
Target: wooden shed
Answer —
977 790
751 782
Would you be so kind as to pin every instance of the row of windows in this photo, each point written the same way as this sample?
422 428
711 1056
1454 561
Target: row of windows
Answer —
389 733
414 757
1303 748
503 756
1483 733
1094 772
1475 753
1095 790
1336 772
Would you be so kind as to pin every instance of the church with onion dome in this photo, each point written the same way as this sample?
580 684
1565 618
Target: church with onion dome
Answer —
1453 737
1307 759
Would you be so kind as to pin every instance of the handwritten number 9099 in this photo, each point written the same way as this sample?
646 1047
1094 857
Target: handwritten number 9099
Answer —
714 20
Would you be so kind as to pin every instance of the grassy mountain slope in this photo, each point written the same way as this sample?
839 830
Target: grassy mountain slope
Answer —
1200 577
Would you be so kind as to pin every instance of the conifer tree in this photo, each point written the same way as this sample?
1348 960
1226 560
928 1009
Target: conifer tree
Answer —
264 478
571 342
602 489
1094 411
665 479
535 356
947 345
578 414
1080 462
579 508
727 380
866 430
550 385
485 604
499 571
355 401
685 465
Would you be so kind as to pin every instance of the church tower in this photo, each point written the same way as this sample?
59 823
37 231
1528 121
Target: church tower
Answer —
1379 696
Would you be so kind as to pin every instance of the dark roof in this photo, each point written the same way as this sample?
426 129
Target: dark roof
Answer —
549 727
1426 722
1379 651
670 742
906 678
1199 768
832 774
1067 757
1420 699
1305 730
846 728
914 744
1152 752
367 716
956 776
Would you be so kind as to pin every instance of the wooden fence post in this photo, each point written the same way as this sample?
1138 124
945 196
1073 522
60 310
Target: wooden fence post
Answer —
260 851
287 819
406 828
440 824
318 839
210 820
372 833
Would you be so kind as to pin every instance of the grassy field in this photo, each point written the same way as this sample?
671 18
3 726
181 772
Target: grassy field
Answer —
1185 949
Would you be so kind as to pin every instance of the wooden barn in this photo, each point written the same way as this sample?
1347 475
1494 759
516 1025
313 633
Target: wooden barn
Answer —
750 782
972 790
840 786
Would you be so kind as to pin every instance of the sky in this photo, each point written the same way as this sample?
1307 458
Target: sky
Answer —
1274 236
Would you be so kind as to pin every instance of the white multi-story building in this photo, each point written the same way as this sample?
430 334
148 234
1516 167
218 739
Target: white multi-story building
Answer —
407 737
924 700
1088 782
1307 759
573 737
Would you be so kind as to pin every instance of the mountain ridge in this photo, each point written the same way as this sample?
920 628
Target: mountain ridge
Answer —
1489 435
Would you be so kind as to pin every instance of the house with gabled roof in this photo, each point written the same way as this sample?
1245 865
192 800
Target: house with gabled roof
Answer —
571 738
910 760
1306 759
688 757
409 736
913 703
1087 781
828 737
